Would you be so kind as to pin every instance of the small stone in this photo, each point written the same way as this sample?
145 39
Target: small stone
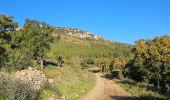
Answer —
50 81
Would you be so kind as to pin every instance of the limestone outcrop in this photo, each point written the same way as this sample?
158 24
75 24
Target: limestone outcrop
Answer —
75 32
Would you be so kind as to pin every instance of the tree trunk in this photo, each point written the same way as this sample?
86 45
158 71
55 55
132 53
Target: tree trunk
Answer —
42 67
158 82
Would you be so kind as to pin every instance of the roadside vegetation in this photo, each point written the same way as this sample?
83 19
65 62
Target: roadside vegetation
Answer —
70 81
147 75
141 91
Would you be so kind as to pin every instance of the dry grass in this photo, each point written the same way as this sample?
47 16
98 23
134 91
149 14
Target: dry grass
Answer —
71 81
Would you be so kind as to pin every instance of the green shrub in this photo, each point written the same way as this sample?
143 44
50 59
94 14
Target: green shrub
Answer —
87 63
19 59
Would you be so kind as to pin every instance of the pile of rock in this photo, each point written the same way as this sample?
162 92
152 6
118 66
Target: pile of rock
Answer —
34 77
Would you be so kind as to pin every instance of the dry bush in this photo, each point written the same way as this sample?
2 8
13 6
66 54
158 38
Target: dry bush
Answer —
15 89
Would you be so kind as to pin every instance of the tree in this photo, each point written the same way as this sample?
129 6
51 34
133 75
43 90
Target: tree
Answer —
118 63
37 38
151 62
7 25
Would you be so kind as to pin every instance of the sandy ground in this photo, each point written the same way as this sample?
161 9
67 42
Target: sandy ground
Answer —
107 90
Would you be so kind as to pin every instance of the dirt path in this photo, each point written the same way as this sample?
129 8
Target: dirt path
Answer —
106 90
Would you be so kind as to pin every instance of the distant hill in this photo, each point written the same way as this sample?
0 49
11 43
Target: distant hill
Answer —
76 42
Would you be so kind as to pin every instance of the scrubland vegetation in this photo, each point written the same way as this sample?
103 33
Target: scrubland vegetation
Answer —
142 69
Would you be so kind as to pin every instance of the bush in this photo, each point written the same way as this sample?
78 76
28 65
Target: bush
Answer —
60 61
15 89
116 74
137 71
87 63
19 59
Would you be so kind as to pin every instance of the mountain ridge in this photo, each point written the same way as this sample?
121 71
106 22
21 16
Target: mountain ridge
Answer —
82 34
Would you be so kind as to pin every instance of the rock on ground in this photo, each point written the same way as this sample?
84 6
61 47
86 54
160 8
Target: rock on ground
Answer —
34 77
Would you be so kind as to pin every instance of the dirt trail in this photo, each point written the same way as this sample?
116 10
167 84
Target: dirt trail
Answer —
106 90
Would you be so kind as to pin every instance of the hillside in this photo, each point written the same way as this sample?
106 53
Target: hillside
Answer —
76 42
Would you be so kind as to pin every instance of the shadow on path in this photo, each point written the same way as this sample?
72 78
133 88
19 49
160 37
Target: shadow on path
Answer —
122 98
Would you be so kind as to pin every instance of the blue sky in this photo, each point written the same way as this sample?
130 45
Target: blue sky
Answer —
117 20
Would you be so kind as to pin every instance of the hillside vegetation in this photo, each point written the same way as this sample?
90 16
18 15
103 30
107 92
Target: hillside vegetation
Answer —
71 45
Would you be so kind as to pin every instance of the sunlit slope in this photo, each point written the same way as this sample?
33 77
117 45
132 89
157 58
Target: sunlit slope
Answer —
74 45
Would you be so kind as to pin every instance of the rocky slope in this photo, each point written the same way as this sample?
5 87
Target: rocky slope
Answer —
75 32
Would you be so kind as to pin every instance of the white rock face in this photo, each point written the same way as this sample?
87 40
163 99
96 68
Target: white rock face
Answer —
79 33
34 77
